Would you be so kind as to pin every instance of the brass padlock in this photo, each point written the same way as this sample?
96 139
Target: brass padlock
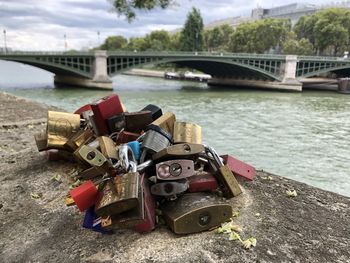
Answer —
195 212
90 155
60 127
90 173
120 194
78 139
224 175
166 122
41 141
179 151
186 132
127 219
137 121
108 147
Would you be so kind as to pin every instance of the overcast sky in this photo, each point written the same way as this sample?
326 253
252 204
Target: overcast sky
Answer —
41 25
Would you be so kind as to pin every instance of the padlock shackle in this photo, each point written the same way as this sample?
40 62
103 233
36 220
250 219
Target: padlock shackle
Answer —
141 167
216 158
126 157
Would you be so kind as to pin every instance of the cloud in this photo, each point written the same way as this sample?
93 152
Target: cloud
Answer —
41 25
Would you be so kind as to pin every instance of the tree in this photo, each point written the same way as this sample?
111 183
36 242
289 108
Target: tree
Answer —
128 7
114 43
158 40
217 39
260 36
328 30
192 33
293 46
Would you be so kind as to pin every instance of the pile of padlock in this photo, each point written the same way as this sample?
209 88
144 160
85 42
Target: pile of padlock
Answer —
137 167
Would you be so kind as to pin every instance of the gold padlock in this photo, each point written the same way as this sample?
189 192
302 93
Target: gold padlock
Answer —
60 127
120 194
195 212
127 219
41 141
91 156
79 138
108 147
166 122
186 132
184 150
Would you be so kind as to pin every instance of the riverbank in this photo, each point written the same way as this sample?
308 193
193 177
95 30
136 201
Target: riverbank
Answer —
311 227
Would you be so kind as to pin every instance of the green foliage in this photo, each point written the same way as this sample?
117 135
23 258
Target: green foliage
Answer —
129 7
192 33
217 39
114 43
328 30
259 36
293 46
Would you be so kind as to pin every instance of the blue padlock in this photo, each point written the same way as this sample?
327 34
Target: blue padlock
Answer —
136 149
91 221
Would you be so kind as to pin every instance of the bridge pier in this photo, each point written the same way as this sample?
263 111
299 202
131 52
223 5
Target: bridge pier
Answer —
100 79
289 73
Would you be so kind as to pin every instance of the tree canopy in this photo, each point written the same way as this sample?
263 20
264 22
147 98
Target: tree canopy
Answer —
128 7
192 33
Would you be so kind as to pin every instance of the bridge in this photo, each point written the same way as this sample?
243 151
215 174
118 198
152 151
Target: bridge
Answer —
95 69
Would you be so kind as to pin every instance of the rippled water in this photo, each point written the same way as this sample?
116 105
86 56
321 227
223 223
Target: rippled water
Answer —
303 136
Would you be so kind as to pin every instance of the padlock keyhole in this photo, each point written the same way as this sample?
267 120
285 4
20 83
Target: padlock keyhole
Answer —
91 155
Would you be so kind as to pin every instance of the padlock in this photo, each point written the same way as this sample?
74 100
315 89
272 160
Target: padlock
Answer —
156 112
175 169
104 109
41 141
90 173
186 150
137 121
89 155
93 222
202 182
69 201
119 195
154 140
136 149
166 122
116 123
125 137
149 221
84 195
86 107
78 139
186 132
126 158
195 212
129 218
58 155
60 127
239 168
108 148
224 175
169 188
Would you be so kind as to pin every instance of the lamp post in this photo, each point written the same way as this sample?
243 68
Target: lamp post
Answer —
5 43
98 38
65 42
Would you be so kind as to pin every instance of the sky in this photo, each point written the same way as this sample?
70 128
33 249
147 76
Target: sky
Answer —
42 25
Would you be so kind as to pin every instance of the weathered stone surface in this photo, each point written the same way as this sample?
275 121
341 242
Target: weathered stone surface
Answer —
312 227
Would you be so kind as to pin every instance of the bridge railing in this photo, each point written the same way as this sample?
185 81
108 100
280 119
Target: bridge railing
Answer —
46 53
182 54
323 58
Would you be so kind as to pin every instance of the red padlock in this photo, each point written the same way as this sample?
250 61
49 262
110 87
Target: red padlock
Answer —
125 137
238 167
104 109
82 109
85 195
204 182
149 207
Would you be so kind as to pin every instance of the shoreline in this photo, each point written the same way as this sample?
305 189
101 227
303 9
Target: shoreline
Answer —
312 227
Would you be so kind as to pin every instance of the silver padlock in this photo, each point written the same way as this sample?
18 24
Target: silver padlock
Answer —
169 188
154 140
175 169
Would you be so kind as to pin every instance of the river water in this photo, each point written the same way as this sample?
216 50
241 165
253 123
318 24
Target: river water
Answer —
302 136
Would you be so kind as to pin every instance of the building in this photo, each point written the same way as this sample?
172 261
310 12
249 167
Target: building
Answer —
291 11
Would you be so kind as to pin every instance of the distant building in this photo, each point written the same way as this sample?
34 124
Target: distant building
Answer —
291 11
